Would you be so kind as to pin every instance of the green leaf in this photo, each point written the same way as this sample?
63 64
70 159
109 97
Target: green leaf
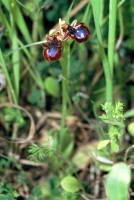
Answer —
121 2
34 96
87 13
3 197
96 13
69 11
6 197
103 144
96 5
117 182
20 21
114 146
66 143
8 78
68 146
129 113
104 118
9 197
13 8
120 124
6 23
52 86
104 167
15 61
131 128
70 184
9 118
129 44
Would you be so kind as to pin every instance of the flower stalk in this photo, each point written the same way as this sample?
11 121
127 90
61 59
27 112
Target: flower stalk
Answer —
65 64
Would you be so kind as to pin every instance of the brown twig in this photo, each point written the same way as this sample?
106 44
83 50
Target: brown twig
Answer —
9 94
74 11
95 79
31 163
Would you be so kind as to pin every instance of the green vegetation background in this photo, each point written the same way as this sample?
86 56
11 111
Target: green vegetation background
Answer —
35 85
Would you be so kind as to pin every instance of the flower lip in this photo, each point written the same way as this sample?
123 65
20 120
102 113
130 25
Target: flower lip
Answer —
81 33
53 48
78 32
52 51
52 54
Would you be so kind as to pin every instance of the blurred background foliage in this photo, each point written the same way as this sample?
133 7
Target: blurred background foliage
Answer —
37 85
41 16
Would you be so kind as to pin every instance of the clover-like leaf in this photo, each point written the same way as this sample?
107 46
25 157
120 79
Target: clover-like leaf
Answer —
52 86
70 184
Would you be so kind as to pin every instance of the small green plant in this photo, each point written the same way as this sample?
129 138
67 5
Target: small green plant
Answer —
38 153
115 119
7 192
113 114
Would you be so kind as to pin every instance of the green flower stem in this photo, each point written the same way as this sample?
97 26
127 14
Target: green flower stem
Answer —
64 101
68 60
111 33
65 63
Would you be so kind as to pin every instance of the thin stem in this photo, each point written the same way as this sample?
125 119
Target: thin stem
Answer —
26 46
127 152
65 63
68 61
64 97
121 3
81 112
111 33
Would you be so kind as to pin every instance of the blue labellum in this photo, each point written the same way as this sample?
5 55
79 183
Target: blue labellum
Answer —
81 33
52 51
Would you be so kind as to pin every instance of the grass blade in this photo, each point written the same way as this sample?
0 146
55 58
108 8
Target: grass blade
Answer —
86 14
69 11
96 13
6 23
8 77
13 7
15 63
